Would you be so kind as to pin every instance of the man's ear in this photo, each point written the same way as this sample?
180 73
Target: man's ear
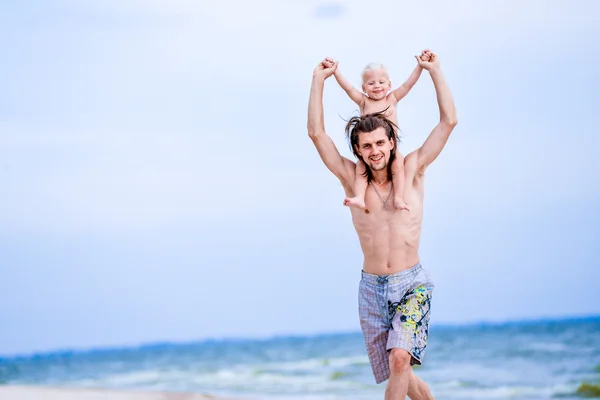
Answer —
357 150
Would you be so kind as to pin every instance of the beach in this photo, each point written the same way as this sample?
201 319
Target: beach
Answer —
53 393
518 361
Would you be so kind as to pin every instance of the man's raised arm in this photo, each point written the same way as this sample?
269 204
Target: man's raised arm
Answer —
437 139
341 167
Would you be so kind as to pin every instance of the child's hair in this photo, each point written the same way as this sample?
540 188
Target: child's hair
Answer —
373 67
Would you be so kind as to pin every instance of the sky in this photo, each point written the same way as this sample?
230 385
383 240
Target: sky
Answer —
158 183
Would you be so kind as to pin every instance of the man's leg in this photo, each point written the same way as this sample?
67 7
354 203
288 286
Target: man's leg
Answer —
397 386
407 339
417 389
403 380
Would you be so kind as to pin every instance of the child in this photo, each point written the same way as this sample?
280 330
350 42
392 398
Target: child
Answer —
377 97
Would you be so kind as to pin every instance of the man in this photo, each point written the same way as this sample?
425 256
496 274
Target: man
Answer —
395 290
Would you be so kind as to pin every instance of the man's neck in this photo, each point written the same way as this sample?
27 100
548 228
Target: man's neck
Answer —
380 177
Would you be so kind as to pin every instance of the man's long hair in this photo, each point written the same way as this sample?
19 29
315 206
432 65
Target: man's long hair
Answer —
368 123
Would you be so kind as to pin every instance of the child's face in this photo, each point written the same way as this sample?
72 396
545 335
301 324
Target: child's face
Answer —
376 84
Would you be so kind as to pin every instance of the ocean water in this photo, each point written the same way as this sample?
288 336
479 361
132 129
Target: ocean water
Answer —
520 361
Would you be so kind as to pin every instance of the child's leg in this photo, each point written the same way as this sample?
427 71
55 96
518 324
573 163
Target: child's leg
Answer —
360 187
399 181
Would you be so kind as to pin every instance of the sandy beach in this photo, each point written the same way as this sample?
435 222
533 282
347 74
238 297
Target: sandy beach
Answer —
50 393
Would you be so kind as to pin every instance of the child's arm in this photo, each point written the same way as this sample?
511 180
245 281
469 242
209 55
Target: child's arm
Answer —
354 94
408 85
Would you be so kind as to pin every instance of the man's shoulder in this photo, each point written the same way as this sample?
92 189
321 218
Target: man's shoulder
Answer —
347 181
411 163
347 177
411 158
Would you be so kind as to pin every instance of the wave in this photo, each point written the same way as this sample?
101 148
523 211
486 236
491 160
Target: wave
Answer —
318 363
460 391
553 347
300 377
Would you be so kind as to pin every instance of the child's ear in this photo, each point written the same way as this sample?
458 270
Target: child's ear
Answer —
363 88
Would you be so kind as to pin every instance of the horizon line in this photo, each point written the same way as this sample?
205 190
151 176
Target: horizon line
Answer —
166 343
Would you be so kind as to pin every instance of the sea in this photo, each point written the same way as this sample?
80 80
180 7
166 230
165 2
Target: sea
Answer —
520 361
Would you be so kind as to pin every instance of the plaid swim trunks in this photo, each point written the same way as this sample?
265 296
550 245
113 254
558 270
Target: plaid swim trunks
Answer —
394 313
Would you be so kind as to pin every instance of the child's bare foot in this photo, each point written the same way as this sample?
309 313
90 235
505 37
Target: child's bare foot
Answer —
400 204
355 202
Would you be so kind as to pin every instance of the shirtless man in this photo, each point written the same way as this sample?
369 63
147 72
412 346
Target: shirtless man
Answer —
395 290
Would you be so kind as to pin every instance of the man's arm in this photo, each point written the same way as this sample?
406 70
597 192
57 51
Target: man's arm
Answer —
353 93
340 166
437 139
403 90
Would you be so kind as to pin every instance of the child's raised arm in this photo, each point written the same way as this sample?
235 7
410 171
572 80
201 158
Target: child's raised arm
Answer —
354 94
408 85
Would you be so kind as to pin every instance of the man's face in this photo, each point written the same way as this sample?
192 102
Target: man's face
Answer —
376 84
375 148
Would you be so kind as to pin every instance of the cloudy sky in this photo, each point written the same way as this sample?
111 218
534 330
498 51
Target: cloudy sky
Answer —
158 183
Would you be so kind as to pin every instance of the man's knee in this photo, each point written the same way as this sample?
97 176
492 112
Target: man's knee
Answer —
399 361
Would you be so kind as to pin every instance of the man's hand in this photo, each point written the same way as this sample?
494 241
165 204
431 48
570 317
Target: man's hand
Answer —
325 69
428 60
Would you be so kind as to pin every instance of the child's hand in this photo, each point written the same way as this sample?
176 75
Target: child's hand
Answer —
427 59
325 69
328 62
